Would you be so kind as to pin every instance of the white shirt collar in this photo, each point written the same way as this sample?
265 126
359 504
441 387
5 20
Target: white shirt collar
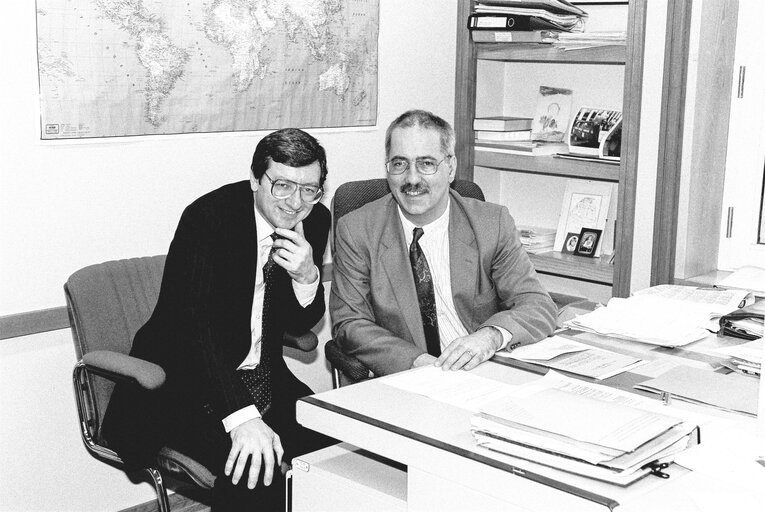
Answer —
437 227
263 228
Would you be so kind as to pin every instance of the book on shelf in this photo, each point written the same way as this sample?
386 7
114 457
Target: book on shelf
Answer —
514 36
509 135
501 123
528 148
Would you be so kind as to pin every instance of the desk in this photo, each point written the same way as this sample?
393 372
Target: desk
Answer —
445 468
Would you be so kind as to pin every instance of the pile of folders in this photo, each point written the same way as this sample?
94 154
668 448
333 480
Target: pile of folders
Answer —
583 429
524 21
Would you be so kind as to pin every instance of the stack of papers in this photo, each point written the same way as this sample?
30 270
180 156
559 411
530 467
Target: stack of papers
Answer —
560 13
605 434
573 357
578 40
666 315
746 278
537 240
745 358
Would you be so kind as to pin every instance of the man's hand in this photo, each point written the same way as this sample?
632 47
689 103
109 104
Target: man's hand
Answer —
255 440
469 351
423 360
295 255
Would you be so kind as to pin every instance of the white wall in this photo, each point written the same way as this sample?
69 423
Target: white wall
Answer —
67 205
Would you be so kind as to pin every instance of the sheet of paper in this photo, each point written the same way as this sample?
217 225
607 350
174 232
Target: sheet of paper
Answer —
732 392
571 356
458 388
546 349
747 278
714 300
750 351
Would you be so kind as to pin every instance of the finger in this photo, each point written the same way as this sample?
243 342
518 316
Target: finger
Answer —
268 466
450 357
230 460
299 229
461 360
278 449
252 479
473 362
289 234
241 462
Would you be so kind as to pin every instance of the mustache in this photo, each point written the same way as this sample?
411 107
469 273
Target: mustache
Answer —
407 188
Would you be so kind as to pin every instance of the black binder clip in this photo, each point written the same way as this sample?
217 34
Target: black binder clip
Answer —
656 468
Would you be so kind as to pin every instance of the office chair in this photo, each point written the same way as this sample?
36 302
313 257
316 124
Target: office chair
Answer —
107 304
348 197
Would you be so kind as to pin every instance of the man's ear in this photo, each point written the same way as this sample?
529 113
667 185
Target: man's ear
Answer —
254 185
453 168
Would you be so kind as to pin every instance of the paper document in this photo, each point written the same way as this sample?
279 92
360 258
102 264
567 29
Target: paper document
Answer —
747 278
459 388
574 357
666 315
732 392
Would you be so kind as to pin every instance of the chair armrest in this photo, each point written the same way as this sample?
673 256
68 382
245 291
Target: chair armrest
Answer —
350 366
305 342
122 366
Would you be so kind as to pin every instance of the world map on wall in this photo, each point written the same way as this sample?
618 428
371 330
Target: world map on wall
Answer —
110 68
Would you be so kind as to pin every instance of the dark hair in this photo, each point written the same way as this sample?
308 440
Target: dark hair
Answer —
291 147
424 119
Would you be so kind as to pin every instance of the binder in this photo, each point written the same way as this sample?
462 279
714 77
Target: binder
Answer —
745 323
495 21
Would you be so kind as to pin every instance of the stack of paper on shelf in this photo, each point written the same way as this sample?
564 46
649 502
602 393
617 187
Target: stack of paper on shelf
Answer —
527 15
528 148
582 428
578 40
536 239
666 315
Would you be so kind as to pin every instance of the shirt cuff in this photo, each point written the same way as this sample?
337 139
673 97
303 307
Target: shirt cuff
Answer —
507 336
236 418
305 293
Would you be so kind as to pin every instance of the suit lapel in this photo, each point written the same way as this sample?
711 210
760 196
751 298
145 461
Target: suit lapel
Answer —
463 260
394 257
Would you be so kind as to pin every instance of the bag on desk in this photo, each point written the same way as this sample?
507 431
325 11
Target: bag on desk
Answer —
746 323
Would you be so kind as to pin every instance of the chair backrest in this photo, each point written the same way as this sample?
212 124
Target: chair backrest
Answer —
107 304
354 194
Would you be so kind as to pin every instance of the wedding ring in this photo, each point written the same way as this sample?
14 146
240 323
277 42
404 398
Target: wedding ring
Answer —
469 353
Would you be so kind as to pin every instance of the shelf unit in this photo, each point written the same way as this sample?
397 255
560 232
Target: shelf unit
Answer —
613 272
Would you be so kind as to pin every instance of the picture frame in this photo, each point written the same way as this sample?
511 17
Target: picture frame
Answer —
595 131
589 239
586 204
551 115
570 243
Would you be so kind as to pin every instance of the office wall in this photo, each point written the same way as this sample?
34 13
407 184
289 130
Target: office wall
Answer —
67 205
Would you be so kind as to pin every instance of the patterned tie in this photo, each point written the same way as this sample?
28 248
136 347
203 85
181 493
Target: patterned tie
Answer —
423 282
258 381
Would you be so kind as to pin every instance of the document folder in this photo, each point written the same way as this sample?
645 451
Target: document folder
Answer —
746 323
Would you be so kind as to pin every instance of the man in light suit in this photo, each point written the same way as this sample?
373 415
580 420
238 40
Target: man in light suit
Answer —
229 292
424 276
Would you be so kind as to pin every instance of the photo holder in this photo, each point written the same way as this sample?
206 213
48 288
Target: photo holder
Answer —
588 242
570 243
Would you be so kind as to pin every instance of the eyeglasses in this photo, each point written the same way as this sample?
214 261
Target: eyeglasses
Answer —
282 189
424 165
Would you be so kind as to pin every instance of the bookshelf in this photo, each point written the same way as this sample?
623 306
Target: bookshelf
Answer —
491 76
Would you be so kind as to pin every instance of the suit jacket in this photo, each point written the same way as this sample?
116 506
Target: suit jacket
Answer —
373 303
199 331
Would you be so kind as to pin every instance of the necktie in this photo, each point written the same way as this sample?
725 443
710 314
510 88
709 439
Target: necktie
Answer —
258 381
423 282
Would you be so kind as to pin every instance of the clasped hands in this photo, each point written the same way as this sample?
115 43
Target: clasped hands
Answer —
466 352
294 254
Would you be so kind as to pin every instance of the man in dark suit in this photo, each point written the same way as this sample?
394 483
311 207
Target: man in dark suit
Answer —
424 276
229 292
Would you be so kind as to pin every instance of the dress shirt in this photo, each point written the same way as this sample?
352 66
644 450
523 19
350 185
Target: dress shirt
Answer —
435 245
305 293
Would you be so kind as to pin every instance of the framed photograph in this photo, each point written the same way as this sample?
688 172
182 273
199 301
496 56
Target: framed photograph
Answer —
591 129
585 205
588 242
570 243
